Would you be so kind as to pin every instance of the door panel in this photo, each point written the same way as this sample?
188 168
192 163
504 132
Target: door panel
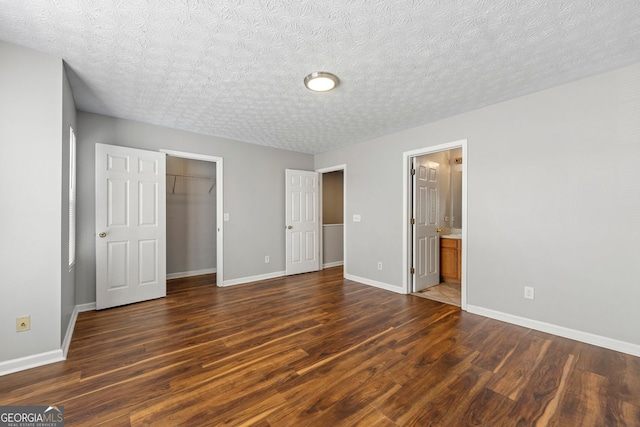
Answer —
426 258
302 222
148 261
118 258
148 212
130 225
118 203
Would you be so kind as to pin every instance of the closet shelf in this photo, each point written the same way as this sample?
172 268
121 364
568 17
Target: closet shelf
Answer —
175 177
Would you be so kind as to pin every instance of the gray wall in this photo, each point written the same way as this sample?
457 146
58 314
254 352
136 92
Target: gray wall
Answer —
31 88
67 281
332 244
553 202
332 197
191 216
253 193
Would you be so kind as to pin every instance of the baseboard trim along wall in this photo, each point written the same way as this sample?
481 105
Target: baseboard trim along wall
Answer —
28 362
33 361
249 279
191 273
381 285
332 264
67 336
585 337
72 324
90 306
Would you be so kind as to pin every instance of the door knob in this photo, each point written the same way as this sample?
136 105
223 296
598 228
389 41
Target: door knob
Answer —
438 230
103 234
289 227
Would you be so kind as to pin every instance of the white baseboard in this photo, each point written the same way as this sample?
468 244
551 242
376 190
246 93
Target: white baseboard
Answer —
332 264
90 306
191 273
67 336
248 279
381 285
585 337
32 361
35 360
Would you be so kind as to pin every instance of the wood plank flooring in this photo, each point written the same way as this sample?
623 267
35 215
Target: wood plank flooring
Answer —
318 350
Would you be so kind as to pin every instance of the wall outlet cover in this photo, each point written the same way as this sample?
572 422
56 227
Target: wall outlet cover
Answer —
528 292
23 323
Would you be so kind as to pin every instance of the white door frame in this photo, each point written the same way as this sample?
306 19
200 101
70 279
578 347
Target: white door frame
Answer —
343 168
406 212
219 207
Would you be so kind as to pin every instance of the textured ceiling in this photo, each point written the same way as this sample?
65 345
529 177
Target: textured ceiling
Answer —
234 68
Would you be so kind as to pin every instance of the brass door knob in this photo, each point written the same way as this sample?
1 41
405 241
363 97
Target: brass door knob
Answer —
289 227
103 234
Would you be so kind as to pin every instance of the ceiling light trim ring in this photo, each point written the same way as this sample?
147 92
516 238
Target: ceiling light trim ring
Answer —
321 81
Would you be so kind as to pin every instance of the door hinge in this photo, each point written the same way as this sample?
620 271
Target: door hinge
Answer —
413 270
413 221
413 171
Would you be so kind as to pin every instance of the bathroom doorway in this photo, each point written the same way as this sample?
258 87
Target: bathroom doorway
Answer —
333 224
435 218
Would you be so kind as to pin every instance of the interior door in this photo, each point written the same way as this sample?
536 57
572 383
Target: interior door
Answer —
426 251
130 225
302 222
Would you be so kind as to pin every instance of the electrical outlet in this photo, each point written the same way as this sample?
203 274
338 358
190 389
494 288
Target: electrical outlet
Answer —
528 292
23 323
266 259
226 217
379 265
356 218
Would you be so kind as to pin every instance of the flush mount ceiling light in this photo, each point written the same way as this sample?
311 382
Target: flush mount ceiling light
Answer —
321 81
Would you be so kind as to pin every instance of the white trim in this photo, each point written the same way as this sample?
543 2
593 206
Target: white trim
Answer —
406 159
90 306
332 264
333 225
374 283
35 360
219 202
32 361
585 337
249 279
70 327
191 273
343 168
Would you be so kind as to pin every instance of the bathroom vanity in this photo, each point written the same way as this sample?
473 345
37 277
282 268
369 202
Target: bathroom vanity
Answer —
451 258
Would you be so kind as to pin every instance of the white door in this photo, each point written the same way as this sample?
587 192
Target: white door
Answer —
130 225
426 250
302 222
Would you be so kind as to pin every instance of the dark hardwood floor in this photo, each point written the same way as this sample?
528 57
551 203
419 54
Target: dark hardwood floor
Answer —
318 350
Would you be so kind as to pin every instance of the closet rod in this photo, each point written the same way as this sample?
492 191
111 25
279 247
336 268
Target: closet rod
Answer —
175 177
190 176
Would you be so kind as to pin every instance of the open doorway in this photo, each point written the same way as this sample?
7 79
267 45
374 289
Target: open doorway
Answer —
435 222
194 215
333 224
191 217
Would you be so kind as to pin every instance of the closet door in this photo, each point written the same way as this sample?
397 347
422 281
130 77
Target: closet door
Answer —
130 225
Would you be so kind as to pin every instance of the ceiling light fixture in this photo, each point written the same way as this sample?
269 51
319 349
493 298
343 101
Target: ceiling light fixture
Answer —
321 81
